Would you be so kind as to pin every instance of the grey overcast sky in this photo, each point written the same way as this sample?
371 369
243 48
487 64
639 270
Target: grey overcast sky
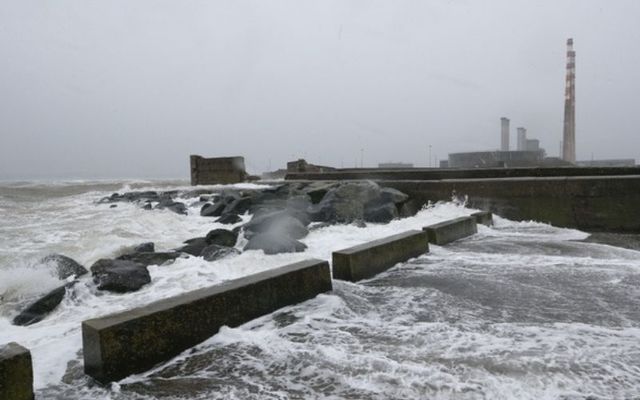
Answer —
121 88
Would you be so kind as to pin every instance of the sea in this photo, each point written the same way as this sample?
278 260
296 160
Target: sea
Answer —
521 310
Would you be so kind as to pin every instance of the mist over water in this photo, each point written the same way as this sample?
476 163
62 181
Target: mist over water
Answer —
520 310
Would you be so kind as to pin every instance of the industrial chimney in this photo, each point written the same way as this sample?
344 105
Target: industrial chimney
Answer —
522 139
504 125
569 132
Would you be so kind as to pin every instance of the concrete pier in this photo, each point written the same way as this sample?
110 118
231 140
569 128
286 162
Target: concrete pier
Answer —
133 341
483 217
16 372
451 230
371 258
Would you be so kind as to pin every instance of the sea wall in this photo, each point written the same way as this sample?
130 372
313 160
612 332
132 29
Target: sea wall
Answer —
451 230
133 341
371 258
16 372
589 203
453 173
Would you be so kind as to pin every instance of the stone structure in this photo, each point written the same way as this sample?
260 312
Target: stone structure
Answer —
451 230
371 258
16 373
133 341
301 165
207 171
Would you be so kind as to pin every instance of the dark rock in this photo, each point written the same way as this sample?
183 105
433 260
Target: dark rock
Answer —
113 206
410 208
346 202
317 191
145 247
238 206
274 244
65 266
222 237
212 210
279 223
215 252
194 246
38 310
175 206
393 195
147 207
151 258
119 276
382 214
229 219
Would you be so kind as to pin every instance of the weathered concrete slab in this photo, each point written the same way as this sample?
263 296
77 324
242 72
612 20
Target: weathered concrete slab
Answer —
119 345
16 373
483 217
371 258
451 230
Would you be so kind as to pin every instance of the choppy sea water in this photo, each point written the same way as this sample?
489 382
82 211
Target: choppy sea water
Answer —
521 310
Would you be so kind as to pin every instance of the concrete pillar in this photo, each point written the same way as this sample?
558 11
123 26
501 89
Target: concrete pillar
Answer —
16 373
504 125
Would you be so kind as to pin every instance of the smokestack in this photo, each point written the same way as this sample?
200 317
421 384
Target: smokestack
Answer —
504 125
569 132
522 139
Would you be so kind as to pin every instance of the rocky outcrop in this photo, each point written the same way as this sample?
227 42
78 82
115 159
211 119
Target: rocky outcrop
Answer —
147 258
222 237
119 276
65 266
39 309
216 252
274 244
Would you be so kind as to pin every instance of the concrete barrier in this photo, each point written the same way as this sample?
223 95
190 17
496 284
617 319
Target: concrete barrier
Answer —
119 345
448 231
483 217
16 373
371 258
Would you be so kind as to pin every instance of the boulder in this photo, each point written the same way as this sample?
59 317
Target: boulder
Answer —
39 309
221 237
151 258
212 210
215 252
382 214
279 223
238 206
175 206
65 266
193 246
393 195
119 276
145 247
346 202
274 244
229 219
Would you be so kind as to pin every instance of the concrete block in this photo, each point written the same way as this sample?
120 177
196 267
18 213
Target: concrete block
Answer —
133 341
448 231
16 373
371 258
483 217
